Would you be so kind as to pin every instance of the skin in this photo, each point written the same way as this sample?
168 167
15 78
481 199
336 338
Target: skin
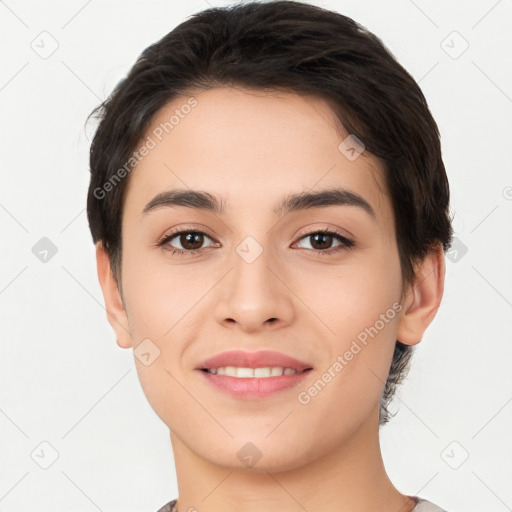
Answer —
252 148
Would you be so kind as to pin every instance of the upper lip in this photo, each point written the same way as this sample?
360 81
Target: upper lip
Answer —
260 359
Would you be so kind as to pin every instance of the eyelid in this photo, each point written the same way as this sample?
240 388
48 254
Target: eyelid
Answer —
205 230
325 227
187 229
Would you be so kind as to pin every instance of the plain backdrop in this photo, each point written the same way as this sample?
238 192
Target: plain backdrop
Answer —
76 430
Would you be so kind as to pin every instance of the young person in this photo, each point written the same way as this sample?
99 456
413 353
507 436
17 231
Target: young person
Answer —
270 211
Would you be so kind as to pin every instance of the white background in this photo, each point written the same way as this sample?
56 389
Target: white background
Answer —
66 382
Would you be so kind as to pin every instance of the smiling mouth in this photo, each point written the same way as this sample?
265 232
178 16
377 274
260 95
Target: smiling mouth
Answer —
249 373
254 383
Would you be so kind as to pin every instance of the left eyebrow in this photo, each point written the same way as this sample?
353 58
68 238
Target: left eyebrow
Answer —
323 198
301 201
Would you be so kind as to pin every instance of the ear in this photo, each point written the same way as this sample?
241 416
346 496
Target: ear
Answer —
116 312
423 298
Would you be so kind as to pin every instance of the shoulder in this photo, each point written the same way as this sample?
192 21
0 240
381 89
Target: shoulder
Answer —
169 506
424 506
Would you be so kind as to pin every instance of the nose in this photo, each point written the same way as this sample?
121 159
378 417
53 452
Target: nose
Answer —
254 295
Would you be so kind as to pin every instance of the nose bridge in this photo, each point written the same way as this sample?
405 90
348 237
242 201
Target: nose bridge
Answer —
252 280
252 294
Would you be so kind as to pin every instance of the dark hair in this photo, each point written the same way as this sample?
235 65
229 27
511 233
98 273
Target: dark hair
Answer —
299 48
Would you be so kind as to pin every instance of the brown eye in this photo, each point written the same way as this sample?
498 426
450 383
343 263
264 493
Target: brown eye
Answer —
188 242
191 241
321 241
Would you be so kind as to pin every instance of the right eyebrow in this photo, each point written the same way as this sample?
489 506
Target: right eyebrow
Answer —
189 198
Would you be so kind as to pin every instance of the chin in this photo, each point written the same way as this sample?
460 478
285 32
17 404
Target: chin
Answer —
249 455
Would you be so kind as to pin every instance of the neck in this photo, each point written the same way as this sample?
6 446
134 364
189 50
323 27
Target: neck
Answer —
349 478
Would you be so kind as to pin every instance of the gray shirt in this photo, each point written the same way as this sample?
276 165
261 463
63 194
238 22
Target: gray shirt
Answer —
422 505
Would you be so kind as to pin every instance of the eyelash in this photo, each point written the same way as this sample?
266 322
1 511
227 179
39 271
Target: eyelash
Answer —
346 243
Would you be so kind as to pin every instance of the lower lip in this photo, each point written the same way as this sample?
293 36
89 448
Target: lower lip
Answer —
254 387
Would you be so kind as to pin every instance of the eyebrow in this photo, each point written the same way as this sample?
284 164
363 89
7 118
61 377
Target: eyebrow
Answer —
294 202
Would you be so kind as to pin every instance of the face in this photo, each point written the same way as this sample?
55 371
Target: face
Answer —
318 280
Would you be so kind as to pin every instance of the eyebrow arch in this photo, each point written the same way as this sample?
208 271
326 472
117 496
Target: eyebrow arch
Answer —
294 202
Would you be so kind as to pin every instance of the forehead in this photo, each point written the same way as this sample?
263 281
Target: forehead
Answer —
249 148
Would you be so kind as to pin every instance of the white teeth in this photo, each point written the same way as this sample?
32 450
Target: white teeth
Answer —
247 373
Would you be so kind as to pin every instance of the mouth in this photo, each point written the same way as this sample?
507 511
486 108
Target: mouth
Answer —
251 387
254 383
253 375
263 361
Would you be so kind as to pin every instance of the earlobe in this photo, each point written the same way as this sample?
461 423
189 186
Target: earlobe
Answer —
116 312
423 298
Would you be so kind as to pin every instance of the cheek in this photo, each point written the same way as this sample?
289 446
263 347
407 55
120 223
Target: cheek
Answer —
160 296
352 295
160 304
357 309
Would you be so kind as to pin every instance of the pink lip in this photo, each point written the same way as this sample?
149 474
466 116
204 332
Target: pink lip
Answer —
254 388
261 359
